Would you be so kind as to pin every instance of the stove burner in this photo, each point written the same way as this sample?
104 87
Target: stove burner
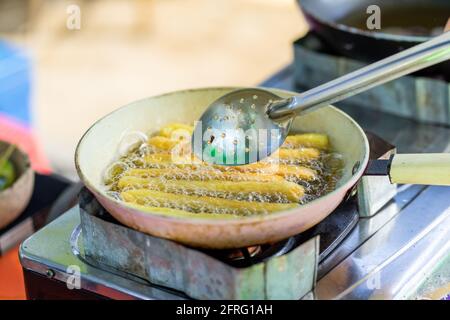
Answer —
332 230
245 257
239 254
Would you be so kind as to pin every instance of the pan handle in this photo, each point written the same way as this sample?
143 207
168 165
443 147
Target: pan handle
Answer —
420 168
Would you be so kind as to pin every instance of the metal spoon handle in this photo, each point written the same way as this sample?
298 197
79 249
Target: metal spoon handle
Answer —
416 58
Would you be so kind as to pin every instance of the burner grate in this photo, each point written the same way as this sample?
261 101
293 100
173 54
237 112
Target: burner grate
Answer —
285 270
331 230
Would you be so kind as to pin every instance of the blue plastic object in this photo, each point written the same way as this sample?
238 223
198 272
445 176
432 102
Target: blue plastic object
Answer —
15 82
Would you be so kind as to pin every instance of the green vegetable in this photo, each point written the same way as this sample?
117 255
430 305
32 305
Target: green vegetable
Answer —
7 172
7 175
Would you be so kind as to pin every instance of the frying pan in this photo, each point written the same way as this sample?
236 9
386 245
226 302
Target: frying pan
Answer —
341 25
98 148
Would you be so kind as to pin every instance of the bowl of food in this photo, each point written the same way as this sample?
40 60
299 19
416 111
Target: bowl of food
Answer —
16 182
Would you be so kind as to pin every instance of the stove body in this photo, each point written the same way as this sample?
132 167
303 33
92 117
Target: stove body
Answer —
388 242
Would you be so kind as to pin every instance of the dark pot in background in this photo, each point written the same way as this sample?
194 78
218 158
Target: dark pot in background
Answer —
342 26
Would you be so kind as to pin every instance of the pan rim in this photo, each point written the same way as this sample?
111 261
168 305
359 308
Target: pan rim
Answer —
229 220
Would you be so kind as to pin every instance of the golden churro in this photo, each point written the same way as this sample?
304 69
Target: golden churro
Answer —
283 170
201 204
163 177
296 155
162 143
170 130
248 190
297 172
314 140
202 174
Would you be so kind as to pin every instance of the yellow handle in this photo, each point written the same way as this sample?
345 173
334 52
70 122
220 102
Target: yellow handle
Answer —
421 168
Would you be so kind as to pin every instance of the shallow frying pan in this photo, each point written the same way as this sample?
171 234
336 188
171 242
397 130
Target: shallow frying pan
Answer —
404 23
98 148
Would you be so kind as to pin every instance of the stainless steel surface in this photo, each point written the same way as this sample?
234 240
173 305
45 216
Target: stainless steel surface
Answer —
406 62
402 243
437 285
395 260
374 191
368 226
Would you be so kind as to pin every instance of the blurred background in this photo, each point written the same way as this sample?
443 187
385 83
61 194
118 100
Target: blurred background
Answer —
65 64
57 77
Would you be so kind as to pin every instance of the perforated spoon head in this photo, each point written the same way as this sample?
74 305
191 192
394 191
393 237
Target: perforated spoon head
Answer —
236 129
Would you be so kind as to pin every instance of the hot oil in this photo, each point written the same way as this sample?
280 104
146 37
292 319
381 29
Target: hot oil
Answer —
328 167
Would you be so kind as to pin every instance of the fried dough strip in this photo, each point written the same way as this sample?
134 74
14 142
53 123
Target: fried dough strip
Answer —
288 155
166 159
201 204
296 155
201 174
284 170
179 213
168 130
246 189
314 140
163 143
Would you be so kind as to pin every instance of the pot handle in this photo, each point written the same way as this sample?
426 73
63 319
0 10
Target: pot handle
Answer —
421 168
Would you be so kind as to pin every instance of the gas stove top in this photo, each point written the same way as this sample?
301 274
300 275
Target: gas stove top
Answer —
388 242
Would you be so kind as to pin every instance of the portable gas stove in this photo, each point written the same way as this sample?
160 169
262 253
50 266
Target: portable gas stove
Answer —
383 242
